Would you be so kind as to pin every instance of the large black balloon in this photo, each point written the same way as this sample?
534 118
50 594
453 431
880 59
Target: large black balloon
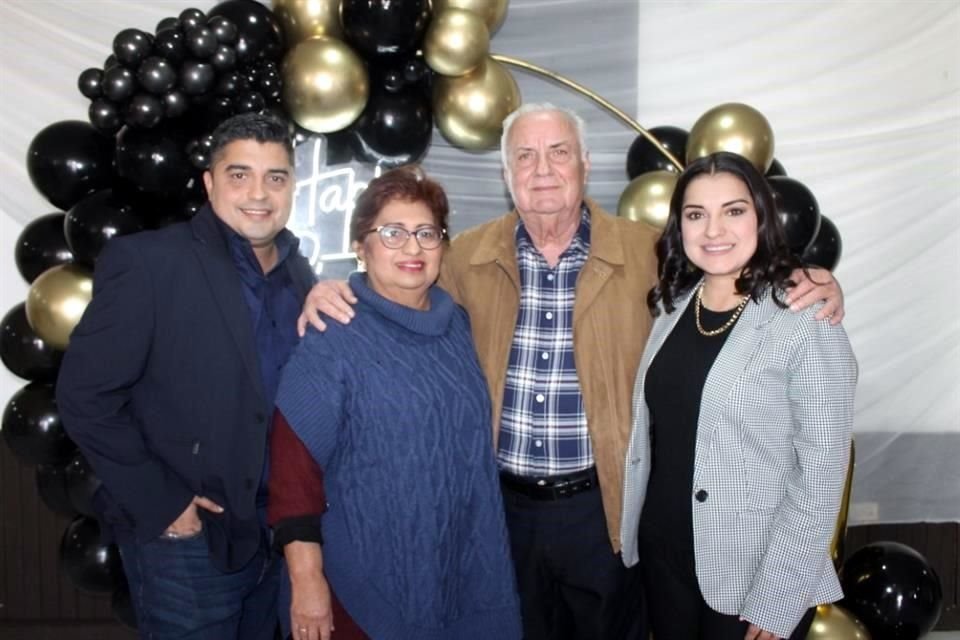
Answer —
93 221
32 426
643 156
51 482
23 351
157 75
798 210
154 159
826 248
41 245
69 159
892 590
131 46
384 28
260 34
81 483
776 169
91 565
395 127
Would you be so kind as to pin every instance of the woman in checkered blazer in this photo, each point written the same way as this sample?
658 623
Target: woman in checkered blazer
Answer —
742 421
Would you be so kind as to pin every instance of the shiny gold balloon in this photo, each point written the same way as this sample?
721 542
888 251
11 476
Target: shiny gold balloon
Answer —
470 109
840 530
733 127
835 623
492 11
325 84
456 43
56 301
302 19
647 198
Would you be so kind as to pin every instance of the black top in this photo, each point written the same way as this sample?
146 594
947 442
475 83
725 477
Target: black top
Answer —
673 388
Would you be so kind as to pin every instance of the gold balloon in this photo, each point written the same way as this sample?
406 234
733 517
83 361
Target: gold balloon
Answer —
733 127
56 301
835 623
470 109
840 530
492 11
325 85
647 198
302 19
456 43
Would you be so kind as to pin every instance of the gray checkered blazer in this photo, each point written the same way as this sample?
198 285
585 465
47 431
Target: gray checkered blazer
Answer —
773 442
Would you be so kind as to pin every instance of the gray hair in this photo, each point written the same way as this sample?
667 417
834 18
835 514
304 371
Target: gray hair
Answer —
542 107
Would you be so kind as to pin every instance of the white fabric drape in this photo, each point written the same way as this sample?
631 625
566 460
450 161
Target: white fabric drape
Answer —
864 99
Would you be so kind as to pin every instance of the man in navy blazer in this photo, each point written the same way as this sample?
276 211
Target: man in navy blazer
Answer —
168 388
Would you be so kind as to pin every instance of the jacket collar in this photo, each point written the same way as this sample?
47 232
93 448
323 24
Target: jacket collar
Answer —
498 243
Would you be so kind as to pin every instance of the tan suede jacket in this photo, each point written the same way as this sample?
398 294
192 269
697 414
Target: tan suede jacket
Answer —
610 325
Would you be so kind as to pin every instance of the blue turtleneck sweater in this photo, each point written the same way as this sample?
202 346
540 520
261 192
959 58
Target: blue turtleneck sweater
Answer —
394 408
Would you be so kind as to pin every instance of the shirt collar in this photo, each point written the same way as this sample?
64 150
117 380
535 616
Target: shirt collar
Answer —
241 249
579 244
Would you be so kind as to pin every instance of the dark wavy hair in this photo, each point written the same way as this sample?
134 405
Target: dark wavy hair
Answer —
769 267
406 184
251 126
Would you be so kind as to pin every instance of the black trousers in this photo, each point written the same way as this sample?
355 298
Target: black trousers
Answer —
572 586
677 608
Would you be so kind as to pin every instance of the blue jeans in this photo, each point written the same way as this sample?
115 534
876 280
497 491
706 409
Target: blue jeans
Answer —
178 593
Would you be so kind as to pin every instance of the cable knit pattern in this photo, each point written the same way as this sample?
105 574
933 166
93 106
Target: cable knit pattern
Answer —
395 409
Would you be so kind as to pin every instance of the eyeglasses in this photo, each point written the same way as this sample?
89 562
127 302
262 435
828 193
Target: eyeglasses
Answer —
395 237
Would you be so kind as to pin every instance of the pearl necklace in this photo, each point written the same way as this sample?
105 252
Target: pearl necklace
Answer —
726 325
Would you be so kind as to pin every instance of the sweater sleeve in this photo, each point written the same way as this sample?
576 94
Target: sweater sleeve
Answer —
297 496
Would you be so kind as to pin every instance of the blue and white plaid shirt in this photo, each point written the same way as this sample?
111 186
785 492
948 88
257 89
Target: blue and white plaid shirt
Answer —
543 427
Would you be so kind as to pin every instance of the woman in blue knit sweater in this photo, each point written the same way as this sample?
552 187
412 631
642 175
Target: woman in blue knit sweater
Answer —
385 424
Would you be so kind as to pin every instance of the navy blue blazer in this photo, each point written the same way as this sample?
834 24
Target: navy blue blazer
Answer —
160 387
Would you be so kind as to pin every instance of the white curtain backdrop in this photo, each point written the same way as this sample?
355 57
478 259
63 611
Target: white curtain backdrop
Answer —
864 99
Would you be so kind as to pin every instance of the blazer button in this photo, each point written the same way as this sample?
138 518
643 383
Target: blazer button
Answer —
701 495
196 447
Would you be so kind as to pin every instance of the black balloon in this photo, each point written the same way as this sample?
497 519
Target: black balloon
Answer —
157 75
23 352
111 61
798 211
892 590
384 28
415 70
175 104
118 83
131 46
191 18
259 32
144 111
153 159
826 248
201 42
105 116
122 607
250 102
69 159
196 78
776 169
643 156
41 245
89 83
231 84
224 58
32 426
169 45
51 482
81 484
167 24
395 127
224 29
91 565
93 221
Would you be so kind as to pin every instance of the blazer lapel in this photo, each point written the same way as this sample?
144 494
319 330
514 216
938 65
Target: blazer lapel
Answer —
745 340
217 266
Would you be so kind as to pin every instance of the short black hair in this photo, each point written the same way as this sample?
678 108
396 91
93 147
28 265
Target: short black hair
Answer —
769 267
251 126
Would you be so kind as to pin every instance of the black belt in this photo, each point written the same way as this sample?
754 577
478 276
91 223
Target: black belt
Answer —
551 487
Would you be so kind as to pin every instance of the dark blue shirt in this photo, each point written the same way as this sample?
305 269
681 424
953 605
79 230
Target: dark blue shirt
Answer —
274 306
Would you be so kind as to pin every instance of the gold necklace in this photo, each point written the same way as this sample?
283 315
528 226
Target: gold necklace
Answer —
726 325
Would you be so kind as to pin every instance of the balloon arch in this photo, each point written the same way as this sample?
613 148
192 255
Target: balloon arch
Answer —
362 82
